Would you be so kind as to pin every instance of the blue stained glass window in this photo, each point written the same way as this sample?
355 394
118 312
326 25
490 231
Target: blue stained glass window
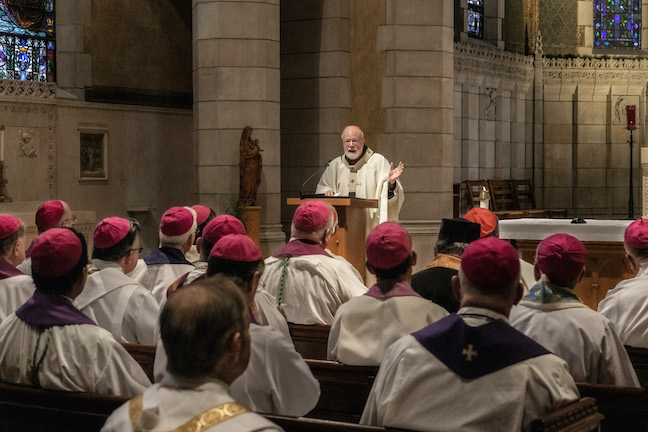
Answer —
475 19
617 24
27 40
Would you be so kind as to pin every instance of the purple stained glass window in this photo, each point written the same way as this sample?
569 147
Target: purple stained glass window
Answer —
27 40
617 24
475 19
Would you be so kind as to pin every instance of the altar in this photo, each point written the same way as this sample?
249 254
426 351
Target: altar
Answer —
606 264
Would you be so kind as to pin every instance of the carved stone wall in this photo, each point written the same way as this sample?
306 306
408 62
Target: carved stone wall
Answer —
493 90
558 21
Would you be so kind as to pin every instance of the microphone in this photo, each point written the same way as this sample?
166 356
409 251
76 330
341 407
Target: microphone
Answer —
301 189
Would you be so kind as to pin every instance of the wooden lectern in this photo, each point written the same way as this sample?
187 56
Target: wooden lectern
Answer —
349 238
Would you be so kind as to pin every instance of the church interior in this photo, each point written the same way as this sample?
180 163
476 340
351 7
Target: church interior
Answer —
456 90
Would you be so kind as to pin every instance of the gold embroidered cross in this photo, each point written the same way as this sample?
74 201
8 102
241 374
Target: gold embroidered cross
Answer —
469 353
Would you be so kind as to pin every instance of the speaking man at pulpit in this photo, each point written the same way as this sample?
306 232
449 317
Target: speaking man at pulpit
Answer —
362 173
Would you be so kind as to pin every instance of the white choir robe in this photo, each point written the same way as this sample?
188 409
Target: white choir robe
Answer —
365 327
315 287
158 277
276 381
415 390
14 291
372 182
269 315
173 403
80 358
626 305
25 266
119 304
585 339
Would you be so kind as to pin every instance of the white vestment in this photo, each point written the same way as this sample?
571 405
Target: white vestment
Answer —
371 182
81 358
415 390
365 326
174 402
627 307
276 381
315 287
269 315
582 337
14 291
25 266
168 265
119 304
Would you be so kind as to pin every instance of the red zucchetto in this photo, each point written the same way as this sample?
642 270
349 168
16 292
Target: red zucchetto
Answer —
237 247
110 231
388 245
177 221
561 258
8 225
220 226
483 217
55 252
490 263
311 216
636 235
49 214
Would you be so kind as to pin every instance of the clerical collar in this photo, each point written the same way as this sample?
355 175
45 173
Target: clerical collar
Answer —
350 162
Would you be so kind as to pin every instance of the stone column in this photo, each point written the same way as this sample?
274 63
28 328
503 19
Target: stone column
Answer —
417 96
73 67
236 84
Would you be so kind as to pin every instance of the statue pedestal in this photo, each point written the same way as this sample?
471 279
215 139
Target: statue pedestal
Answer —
252 221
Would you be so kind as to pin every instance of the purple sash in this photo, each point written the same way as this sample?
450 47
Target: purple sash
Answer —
472 352
7 270
47 310
400 289
166 255
300 247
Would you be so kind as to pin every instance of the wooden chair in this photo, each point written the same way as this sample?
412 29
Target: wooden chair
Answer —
580 416
473 189
624 408
344 389
639 359
502 195
24 408
524 194
144 355
310 341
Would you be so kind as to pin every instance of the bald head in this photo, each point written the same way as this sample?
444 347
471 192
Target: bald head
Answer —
353 142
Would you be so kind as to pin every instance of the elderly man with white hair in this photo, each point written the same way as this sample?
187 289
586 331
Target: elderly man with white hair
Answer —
304 281
167 263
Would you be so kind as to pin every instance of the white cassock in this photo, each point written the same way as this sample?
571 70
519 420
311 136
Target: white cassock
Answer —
269 315
585 339
367 325
276 381
315 287
507 399
25 266
119 304
80 358
174 402
14 291
370 178
627 307
163 267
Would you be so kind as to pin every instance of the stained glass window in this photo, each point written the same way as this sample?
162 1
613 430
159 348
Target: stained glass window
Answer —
617 24
475 20
27 40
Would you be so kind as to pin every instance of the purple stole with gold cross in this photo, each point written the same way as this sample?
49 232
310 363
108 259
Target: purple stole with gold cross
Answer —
472 352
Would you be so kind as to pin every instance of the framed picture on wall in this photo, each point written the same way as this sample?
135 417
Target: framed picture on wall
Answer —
93 154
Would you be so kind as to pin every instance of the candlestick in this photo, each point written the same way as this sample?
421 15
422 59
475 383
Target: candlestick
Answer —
484 198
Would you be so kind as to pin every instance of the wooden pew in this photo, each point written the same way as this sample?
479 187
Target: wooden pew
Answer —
310 340
639 359
24 408
304 424
144 355
581 415
624 408
344 390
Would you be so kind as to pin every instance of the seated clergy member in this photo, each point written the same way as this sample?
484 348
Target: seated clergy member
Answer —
367 325
627 304
167 263
277 380
50 214
301 279
15 287
210 234
110 298
204 214
484 374
435 281
205 331
553 315
490 228
49 343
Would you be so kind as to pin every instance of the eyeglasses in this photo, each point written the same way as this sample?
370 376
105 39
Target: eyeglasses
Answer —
354 141
139 250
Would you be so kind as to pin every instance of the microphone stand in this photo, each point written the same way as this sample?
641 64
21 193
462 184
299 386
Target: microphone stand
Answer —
301 189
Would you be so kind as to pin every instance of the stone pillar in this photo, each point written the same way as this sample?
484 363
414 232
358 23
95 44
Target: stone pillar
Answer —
417 95
236 84
73 67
